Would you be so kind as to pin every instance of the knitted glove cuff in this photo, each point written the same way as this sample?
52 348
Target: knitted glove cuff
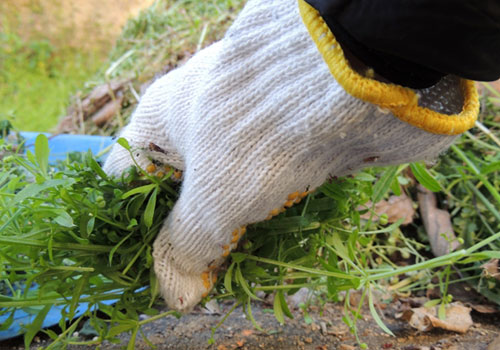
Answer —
402 102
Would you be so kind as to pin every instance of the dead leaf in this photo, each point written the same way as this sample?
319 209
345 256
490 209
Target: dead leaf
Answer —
495 344
424 319
485 309
355 298
346 347
247 332
414 301
436 222
396 208
490 269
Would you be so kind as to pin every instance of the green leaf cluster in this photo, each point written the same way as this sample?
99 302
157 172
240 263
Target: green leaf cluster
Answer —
70 234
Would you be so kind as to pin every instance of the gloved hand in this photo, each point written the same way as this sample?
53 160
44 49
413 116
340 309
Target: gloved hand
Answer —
255 121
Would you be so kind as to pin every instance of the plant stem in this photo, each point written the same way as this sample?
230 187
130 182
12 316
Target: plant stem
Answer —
157 317
477 172
429 264
288 286
12 241
301 268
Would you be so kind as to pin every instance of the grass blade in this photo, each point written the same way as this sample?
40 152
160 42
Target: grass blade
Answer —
278 311
383 184
150 209
42 153
424 177
375 315
35 326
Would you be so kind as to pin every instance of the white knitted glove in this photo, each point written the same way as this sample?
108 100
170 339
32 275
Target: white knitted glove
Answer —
255 121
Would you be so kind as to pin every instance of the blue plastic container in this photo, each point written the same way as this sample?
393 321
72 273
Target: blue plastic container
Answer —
59 146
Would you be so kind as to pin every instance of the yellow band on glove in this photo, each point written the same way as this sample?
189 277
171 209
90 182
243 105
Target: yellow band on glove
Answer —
401 101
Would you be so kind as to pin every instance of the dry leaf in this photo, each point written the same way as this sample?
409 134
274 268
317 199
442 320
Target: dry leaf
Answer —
246 332
490 269
424 319
355 298
485 309
396 207
346 347
414 301
495 344
436 222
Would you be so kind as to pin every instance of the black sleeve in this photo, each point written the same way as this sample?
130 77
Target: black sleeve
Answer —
416 42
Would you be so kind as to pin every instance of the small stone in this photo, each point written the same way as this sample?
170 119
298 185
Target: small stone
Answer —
143 317
308 340
411 347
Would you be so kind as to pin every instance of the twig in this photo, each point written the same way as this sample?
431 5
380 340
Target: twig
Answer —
487 132
80 114
202 37
132 90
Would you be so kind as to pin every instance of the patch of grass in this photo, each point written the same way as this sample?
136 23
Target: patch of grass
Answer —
83 237
78 238
166 33
155 42
37 79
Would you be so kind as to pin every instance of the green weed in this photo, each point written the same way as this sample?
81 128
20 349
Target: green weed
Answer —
81 236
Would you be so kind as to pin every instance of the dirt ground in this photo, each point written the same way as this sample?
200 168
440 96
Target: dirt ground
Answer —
324 331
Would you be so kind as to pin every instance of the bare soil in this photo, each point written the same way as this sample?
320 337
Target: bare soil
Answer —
326 331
